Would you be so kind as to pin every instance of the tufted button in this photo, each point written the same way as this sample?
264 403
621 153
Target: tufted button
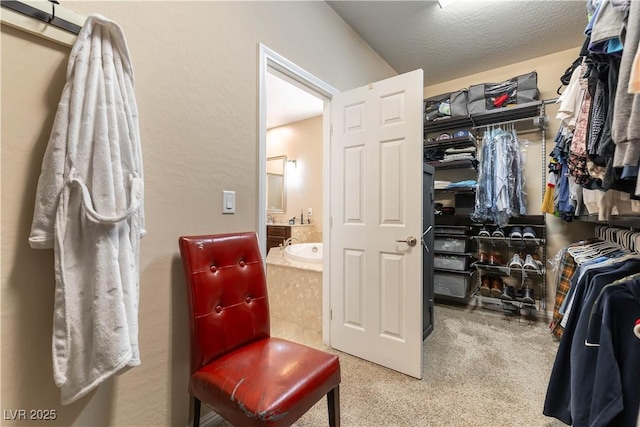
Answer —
213 268
218 308
248 299
242 263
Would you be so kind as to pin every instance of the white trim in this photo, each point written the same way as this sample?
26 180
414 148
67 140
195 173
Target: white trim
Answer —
271 60
42 29
326 223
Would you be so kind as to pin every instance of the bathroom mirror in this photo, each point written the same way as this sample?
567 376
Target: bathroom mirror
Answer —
276 184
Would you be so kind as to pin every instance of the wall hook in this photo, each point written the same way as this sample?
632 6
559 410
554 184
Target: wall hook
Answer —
53 9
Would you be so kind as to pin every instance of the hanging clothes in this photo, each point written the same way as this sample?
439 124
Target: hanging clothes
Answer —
89 208
615 361
634 78
626 122
584 388
500 191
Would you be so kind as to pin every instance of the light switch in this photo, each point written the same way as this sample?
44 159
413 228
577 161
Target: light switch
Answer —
228 202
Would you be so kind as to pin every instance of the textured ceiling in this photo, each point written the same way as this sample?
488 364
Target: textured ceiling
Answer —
465 37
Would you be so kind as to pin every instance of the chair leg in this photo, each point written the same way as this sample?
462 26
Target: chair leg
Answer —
196 412
333 402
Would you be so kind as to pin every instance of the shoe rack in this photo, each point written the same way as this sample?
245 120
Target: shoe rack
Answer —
511 266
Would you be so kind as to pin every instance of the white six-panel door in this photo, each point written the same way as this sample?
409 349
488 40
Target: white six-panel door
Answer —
376 206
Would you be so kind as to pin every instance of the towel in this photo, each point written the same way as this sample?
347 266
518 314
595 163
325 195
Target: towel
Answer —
89 209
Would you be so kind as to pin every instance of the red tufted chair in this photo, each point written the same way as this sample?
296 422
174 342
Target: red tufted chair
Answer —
237 368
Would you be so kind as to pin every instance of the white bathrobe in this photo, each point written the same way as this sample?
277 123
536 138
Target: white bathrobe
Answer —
89 208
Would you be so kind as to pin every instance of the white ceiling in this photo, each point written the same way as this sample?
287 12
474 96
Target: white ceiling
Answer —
287 103
463 38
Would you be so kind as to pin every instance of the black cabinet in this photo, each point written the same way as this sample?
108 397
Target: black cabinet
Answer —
427 248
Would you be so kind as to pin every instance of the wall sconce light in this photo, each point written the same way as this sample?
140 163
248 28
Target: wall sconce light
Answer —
292 164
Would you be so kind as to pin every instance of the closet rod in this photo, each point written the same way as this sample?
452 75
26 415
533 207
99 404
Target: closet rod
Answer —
41 15
537 120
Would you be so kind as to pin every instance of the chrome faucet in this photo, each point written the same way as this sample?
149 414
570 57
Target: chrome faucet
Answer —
288 242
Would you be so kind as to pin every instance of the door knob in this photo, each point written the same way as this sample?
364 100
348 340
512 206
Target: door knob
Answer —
411 241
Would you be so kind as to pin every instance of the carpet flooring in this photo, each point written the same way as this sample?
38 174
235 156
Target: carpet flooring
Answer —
481 368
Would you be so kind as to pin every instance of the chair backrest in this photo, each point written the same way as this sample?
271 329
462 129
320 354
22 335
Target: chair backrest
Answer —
227 293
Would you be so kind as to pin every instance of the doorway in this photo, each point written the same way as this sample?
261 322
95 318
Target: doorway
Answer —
273 64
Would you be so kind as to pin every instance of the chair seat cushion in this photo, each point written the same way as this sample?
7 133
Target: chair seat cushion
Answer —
268 382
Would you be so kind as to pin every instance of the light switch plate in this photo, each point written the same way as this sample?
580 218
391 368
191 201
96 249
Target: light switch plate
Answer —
228 202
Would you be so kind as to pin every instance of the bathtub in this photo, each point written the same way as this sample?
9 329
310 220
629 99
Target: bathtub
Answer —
304 253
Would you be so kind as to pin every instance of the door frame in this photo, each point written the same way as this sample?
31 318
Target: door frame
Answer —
270 61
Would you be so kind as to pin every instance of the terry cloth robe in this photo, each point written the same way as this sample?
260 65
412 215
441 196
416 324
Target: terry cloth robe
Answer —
89 209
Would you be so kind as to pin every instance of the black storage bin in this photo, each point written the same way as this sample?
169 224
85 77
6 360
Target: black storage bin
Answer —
452 261
451 244
453 285
464 203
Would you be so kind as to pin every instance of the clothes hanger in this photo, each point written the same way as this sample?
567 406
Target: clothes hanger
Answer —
593 250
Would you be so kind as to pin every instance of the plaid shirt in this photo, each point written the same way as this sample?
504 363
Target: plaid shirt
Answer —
567 267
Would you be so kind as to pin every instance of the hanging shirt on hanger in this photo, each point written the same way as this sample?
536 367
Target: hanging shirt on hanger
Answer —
614 352
565 381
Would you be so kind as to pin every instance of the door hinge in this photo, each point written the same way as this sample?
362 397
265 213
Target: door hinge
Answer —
330 222
330 314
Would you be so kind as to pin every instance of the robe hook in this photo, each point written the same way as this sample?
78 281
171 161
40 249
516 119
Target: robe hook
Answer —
53 9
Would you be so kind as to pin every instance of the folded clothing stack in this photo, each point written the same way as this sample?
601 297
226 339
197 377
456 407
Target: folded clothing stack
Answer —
441 185
469 183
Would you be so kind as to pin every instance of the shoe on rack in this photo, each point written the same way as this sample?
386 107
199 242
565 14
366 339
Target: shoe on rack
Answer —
515 261
496 287
537 259
483 258
519 293
497 233
496 259
528 297
516 233
484 232
528 233
508 293
530 264
485 287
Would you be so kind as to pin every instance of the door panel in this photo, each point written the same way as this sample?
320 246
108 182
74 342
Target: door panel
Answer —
391 167
392 301
354 293
353 191
376 204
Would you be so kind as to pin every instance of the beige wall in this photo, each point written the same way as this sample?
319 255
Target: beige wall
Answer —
549 69
196 82
301 141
